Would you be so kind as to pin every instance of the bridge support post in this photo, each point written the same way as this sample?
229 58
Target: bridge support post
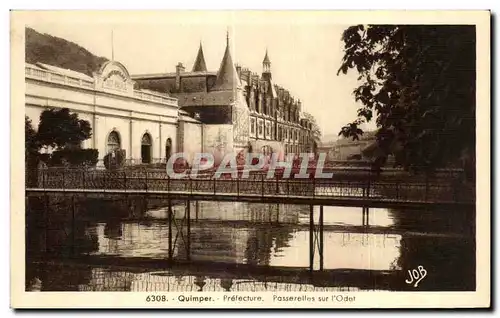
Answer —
170 250
197 209
366 213
262 185
46 217
367 216
277 213
238 186
427 187
311 237
363 216
73 226
321 238
188 244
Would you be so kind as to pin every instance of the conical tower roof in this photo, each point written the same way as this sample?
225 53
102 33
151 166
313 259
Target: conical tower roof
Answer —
227 77
266 59
199 63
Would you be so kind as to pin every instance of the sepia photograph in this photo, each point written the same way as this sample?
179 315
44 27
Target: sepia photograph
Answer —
250 158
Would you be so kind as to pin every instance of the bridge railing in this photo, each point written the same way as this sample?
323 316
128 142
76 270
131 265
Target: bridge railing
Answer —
257 184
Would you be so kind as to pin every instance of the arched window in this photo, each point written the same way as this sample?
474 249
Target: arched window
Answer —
168 149
114 142
267 150
146 145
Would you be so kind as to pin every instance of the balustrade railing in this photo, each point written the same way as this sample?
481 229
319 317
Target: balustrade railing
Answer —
55 77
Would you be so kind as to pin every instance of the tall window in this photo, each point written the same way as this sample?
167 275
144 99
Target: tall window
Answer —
168 149
146 148
113 142
267 150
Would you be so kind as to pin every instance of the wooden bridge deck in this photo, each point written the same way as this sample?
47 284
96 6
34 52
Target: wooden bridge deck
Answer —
326 200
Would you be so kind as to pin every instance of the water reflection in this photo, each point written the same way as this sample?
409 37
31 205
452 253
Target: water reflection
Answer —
344 250
273 235
335 215
84 278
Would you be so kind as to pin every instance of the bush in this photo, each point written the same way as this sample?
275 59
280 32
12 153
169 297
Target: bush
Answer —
74 157
89 157
115 159
44 157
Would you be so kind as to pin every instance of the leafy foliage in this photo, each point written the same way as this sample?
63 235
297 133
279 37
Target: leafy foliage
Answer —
31 144
418 83
58 128
31 148
74 157
115 159
61 130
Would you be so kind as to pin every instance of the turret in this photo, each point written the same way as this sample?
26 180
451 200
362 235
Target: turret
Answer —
199 64
227 76
266 67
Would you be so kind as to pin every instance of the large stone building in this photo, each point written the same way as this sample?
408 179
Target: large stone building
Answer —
244 110
152 116
143 123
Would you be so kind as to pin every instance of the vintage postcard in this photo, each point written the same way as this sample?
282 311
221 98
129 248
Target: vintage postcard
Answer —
250 159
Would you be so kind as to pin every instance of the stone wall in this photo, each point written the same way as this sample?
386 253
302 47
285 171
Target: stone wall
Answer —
191 139
218 140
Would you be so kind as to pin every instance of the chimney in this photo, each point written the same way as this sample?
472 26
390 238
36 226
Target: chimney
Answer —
179 68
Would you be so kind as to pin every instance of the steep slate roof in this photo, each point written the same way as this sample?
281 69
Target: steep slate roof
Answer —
199 63
213 98
266 59
227 77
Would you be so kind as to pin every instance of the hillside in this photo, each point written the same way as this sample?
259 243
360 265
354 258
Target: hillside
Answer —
59 52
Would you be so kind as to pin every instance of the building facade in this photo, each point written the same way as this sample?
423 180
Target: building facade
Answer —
246 111
152 116
143 123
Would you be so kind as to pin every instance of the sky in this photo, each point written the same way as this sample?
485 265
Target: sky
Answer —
305 56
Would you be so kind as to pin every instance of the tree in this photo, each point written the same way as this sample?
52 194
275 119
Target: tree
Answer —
418 83
63 131
58 128
31 144
31 148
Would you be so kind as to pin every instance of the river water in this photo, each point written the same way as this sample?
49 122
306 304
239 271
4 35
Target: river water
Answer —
269 242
